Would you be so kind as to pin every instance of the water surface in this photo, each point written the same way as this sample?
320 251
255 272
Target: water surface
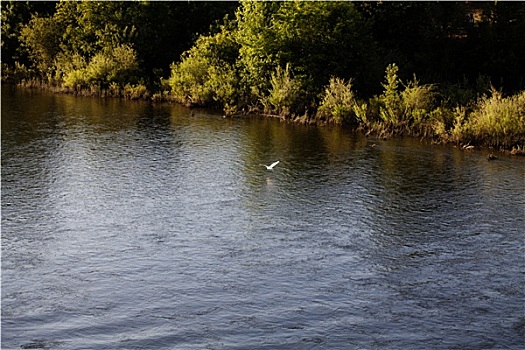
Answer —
127 225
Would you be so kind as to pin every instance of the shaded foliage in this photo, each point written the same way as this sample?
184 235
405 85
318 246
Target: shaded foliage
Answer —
158 32
451 41
14 15
310 60
281 46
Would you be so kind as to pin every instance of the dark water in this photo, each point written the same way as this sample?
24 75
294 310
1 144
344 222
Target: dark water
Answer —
132 226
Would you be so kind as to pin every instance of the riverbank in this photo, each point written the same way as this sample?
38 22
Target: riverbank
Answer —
305 62
493 122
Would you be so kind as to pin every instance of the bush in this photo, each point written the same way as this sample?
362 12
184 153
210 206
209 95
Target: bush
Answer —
14 74
409 109
338 103
499 121
70 70
134 92
417 98
188 78
112 65
75 79
223 83
390 101
206 74
106 67
284 95
459 132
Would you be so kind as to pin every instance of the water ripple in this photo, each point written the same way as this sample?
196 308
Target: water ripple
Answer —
130 226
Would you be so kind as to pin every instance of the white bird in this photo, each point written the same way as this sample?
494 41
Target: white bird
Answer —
270 167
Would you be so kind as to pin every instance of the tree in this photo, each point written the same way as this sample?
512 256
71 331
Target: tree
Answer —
41 38
14 15
318 40
324 39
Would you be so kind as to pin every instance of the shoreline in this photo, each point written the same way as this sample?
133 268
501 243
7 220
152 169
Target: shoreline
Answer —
165 98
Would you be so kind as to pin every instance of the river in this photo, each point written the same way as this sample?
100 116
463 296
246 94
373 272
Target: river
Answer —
130 225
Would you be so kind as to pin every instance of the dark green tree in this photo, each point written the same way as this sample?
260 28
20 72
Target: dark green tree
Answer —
14 15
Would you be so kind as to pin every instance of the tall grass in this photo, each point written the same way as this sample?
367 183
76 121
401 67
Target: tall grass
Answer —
401 108
499 121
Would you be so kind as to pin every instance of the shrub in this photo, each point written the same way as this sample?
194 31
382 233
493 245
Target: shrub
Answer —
390 101
418 102
105 68
223 84
188 78
206 74
499 121
361 112
113 65
70 70
338 103
99 68
75 79
135 91
284 94
406 110
14 73
417 97
460 128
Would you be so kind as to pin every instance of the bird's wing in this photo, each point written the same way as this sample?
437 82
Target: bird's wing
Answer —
274 164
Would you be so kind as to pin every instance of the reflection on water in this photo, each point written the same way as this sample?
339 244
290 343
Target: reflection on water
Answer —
133 226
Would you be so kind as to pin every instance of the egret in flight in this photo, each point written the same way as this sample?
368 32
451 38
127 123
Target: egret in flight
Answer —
270 167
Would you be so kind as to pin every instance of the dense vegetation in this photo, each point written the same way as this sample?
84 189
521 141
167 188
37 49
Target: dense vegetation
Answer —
451 71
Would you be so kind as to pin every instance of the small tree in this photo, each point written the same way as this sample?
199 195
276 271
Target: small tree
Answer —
391 101
41 39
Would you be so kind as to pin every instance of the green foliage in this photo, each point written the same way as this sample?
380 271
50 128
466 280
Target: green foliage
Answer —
418 102
41 39
338 103
277 56
135 91
417 97
206 74
323 39
187 80
284 94
391 110
257 47
267 36
88 27
319 39
410 107
14 73
460 130
83 44
15 15
117 66
157 31
499 121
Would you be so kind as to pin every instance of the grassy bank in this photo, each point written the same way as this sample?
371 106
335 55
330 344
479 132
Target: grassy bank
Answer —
403 108
490 119
319 62
478 115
